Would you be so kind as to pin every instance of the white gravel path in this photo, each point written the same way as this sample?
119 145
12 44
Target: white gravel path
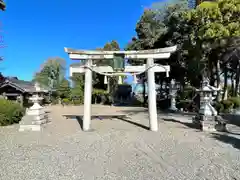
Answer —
117 150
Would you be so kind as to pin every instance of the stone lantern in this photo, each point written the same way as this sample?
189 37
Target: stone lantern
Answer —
207 115
35 115
173 93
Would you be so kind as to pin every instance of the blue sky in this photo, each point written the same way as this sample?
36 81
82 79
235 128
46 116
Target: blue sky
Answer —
35 30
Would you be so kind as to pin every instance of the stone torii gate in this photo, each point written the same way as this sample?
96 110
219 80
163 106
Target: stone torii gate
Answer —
150 67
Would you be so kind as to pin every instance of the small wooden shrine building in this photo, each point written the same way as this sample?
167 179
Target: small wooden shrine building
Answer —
18 90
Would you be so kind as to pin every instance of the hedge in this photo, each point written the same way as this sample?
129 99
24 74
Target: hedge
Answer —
10 112
226 106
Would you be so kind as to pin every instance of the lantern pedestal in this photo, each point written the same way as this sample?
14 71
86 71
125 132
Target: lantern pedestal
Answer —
205 123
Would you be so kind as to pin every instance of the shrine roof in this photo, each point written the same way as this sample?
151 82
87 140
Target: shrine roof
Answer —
21 85
27 85
102 52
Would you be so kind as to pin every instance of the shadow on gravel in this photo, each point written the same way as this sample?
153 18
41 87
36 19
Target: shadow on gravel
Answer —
135 111
232 133
232 119
74 117
134 123
80 121
190 125
235 142
102 117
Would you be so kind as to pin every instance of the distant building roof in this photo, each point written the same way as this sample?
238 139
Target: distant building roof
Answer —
24 86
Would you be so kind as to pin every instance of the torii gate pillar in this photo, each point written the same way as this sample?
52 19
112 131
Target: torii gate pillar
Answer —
87 97
152 106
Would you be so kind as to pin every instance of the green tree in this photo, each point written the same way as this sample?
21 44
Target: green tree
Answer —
64 89
216 28
176 33
99 79
203 36
153 24
52 72
109 46
77 91
161 26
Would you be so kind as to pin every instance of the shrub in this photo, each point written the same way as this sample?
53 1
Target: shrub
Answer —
182 104
227 104
10 112
54 101
235 101
99 92
187 105
100 95
219 107
224 106
77 101
187 93
66 101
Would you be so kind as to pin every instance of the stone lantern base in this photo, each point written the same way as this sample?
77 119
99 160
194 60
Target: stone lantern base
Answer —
34 119
209 123
206 123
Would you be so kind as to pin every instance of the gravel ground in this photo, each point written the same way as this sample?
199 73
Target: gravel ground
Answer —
118 150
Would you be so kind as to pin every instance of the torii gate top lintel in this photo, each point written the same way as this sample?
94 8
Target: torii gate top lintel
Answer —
142 54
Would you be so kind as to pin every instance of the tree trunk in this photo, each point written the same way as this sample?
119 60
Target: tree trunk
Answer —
211 73
218 73
237 80
232 83
225 84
